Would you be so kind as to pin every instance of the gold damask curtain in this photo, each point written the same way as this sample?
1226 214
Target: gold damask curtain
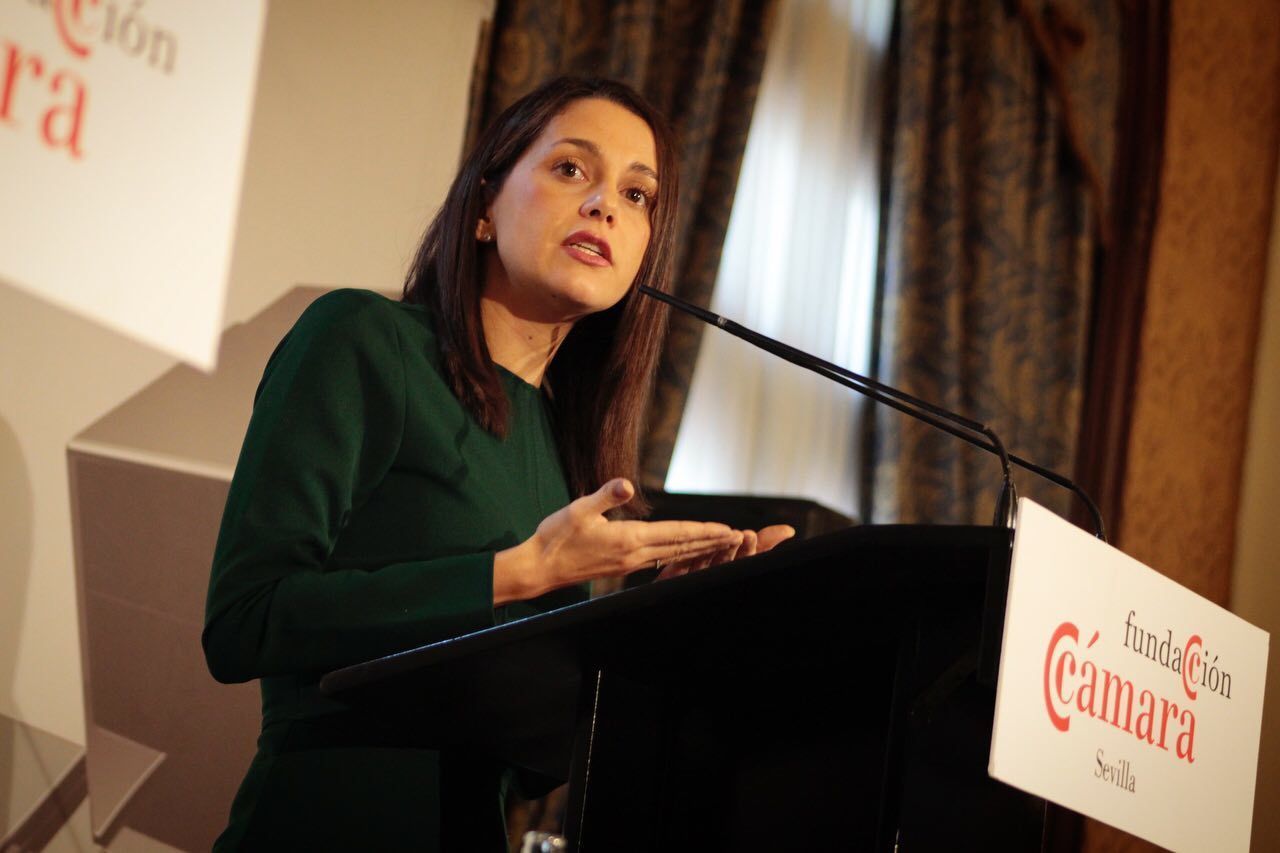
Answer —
998 144
700 64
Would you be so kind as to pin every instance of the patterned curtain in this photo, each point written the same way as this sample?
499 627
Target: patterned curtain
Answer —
997 149
700 64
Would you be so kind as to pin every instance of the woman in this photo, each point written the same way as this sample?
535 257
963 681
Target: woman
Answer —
408 471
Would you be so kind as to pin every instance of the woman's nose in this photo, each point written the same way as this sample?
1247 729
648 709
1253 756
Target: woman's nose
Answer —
597 207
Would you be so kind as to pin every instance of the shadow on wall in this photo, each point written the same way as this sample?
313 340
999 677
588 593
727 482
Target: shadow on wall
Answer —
16 519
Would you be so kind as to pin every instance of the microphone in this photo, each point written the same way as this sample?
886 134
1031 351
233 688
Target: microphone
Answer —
936 416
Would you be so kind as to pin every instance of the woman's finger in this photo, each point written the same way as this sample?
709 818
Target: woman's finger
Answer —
744 549
651 533
724 555
612 494
685 553
770 536
749 545
674 570
697 564
686 565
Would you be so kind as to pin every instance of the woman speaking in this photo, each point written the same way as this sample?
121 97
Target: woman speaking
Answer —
420 469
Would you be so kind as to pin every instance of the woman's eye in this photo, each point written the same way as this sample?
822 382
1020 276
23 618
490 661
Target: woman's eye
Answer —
568 169
638 197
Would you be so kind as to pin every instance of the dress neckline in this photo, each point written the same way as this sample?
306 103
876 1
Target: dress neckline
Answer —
517 379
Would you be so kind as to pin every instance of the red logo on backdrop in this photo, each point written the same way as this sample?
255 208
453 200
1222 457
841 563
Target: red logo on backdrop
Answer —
34 92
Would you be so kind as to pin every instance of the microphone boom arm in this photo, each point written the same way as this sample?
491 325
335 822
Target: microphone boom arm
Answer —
936 416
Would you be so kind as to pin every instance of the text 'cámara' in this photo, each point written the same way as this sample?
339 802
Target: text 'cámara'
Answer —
1075 684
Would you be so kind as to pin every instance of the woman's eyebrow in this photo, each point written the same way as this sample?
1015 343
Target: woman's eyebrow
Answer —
594 150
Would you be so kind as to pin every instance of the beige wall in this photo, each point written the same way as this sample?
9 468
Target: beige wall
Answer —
1191 397
356 132
1255 590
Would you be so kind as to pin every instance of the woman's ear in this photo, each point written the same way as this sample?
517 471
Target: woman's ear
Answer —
484 225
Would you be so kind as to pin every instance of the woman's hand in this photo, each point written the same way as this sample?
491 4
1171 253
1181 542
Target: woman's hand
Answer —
578 544
752 543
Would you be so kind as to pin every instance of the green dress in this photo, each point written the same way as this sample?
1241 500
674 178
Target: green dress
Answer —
362 520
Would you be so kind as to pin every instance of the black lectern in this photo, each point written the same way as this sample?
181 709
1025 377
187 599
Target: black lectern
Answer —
834 694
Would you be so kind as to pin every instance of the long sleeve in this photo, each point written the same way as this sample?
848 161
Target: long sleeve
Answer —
327 426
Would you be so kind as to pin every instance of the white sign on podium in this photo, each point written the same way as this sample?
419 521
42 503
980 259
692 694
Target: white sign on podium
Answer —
123 129
1124 696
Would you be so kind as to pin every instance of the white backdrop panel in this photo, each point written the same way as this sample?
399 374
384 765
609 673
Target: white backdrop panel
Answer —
123 129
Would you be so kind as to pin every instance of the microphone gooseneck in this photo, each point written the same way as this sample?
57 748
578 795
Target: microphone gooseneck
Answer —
936 416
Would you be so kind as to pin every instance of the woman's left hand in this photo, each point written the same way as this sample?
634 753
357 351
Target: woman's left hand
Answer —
753 542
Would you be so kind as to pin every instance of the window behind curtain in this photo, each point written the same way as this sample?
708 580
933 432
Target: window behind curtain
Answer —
798 265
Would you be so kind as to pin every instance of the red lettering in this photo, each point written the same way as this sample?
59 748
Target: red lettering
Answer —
1167 709
14 61
1191 660
72 116
73 29
1088 674
1147 715
1186 740
1071 684
1123 693
1053 676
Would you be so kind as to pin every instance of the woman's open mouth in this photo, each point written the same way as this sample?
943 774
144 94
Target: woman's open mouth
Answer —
588 248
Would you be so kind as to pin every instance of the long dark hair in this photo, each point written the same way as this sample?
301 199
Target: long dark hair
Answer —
602 374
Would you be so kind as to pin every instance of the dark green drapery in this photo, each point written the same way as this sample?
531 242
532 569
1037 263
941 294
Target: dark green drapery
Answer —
998 142
700 64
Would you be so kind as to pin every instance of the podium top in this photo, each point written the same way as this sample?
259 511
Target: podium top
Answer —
513 689
880 546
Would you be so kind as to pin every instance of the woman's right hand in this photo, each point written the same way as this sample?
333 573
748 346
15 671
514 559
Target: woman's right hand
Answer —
578 544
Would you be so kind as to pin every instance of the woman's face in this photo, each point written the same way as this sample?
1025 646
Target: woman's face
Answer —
571 221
